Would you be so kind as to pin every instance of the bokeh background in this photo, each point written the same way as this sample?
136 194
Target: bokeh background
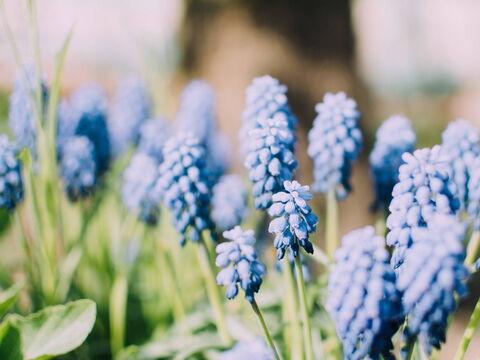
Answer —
420 58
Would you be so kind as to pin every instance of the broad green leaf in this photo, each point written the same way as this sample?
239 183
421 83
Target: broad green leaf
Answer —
9 297
56 330
10 342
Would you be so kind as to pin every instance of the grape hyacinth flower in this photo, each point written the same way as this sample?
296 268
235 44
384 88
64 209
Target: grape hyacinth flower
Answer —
460 144
394 137
474 193
265 97
183 186
21 116
239 263
196 114
363 300
433 276
138 193
229 202
423 189
131 107
153 135
78 168
11 184
253 349
293 220
85 115
334 143
270 160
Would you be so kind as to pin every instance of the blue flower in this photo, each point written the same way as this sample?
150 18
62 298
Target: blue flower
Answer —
138 193
334 143
183 186
85 115
21 116
393 138
11 184
293 220
423 189
253 349
433 275
196 114
229 202
474 193
270 160
131 107
460 144
363 300
153 135
239 263
265 97
78 168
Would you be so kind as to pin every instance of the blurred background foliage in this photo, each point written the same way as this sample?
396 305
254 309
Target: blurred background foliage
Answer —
417 58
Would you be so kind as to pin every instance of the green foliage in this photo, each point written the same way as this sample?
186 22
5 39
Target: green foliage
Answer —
9 297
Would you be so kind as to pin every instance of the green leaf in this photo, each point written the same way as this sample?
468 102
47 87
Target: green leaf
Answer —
9 297
10 342
56 330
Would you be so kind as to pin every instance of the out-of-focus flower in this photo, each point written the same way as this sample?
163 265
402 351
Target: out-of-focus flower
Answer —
131 107
153 135
460 144
78 168
270 160
196 114
474 193
239 263
432 276
11 184
183 186
229 202
22 109
138 193
423 189
253 349
85 115
334 143
395 137
363 300
293 220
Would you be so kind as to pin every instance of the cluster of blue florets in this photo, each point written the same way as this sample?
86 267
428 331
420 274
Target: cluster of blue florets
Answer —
474 194
229 202
393 138
83 141
363 299
433 276
461 146
293 220
11 183
265 97
239 263
22 110
270 160
184 186
424 188
334 143
153 135
131 107
138 190
196 114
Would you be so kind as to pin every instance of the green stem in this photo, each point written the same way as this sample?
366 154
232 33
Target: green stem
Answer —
472 248
118 309
469 332
291 313
331 223
307 329
266 332
212 292
380 226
